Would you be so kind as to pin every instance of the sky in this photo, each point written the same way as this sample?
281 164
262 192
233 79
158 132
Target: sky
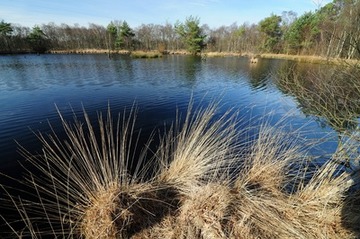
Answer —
215 13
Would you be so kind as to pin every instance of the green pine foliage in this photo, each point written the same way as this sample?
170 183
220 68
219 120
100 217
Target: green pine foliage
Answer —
38 40
270 26
191 34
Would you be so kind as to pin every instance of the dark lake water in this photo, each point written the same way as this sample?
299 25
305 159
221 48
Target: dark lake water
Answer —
31 86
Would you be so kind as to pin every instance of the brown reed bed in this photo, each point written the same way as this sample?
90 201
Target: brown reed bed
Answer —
312 59
203 184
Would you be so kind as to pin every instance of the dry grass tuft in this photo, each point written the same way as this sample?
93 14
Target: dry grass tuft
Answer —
204 185
100 213
197 152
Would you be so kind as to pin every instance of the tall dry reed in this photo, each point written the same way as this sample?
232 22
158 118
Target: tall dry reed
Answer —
203 184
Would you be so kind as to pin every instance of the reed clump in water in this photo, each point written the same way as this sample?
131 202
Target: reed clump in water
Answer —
146 54
203 184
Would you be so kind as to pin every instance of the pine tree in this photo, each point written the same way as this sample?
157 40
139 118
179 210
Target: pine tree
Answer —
191 34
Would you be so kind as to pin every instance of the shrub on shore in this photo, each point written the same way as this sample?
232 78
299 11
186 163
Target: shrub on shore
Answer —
204 184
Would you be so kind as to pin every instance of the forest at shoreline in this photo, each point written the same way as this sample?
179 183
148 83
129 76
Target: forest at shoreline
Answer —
332 31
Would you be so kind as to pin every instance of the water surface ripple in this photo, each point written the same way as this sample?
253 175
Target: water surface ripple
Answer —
31 86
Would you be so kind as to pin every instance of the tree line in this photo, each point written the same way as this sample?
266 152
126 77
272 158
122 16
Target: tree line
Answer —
331 31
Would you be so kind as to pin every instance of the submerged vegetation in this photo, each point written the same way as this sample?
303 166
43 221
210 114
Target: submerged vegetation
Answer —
331 96
200 182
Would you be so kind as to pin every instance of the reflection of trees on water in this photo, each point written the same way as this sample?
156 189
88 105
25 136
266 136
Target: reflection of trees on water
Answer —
31 72
123 66
192 65
331 94
238 69
259 73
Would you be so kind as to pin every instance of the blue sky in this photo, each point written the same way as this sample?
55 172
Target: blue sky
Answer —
212 12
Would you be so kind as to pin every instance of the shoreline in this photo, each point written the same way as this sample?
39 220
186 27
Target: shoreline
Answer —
299 58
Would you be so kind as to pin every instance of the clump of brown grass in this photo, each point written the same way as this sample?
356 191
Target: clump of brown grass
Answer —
204 185
256 204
